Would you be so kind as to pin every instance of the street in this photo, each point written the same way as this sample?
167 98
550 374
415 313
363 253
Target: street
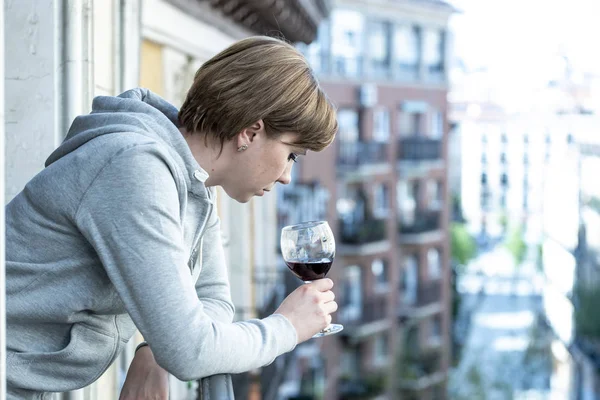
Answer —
508 351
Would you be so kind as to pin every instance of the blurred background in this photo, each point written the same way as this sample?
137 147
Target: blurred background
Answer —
461 187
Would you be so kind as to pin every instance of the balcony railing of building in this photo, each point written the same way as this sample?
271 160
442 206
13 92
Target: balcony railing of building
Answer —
419 148
358 233
359 67
271 287
420 370
354 316
357 154
427 294
424 221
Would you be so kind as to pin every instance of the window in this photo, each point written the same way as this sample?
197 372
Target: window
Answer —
433 51
435 193
380 349
407 205
570 139
352 302
503 158
347 32
409 123
381 123
483 159
435 329
437 125
317 52
381 197
484 179
504 179
434 264
380 273
525 138
410 279
350 362
406 47
484 139
504 138
378 40
348 125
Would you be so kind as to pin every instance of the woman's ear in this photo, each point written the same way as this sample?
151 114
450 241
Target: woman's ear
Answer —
249 134
257 128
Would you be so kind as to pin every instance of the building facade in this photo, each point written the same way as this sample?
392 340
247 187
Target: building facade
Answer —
384 65
62 53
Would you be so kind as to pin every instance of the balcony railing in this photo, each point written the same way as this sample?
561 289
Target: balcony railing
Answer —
363 232
419 371
428 293
271 288
356 154
358 67
369 311
420 148
425 221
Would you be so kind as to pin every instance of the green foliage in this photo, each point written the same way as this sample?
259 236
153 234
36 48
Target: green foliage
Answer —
587 317
462 244
516 245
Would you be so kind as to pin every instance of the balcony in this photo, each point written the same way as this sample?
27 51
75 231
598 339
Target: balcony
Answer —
420 371
358 67
425 228
418 149
363 158
365 237
426 302
363 320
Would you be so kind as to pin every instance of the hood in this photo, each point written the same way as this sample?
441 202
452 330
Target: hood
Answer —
136 111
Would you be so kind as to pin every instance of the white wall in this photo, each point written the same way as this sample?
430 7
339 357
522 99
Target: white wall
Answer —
32 79
2 161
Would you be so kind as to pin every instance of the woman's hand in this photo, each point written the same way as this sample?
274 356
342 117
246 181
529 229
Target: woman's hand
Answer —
309 308
145 379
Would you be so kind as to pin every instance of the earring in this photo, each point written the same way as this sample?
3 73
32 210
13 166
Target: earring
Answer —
242 147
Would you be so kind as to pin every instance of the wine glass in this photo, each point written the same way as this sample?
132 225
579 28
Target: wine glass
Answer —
308 250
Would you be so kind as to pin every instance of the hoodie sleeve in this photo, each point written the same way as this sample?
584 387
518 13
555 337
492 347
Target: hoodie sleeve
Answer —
130 215
212 285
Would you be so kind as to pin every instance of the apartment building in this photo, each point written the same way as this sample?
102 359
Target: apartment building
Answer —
571 264
65 52
384 64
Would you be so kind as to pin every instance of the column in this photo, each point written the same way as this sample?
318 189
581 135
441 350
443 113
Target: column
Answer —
2 274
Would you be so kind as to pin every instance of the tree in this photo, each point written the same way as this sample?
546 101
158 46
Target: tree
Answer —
516 245
462 244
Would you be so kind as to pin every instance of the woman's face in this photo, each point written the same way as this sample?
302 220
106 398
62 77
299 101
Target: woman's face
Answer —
261 165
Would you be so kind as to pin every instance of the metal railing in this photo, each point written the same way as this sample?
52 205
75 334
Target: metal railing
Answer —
419 148
371 310
364 232
271 287
429 292
425 221
354 154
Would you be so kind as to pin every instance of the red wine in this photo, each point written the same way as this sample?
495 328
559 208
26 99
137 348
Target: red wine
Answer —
310 271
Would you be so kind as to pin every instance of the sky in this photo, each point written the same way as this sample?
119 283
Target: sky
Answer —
521 44
524 38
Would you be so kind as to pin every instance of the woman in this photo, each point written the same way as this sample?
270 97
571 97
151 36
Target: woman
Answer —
119 231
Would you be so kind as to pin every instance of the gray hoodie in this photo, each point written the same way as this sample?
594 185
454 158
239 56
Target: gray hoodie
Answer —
119 232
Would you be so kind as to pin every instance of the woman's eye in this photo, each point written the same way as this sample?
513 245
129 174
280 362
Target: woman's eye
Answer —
293 157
